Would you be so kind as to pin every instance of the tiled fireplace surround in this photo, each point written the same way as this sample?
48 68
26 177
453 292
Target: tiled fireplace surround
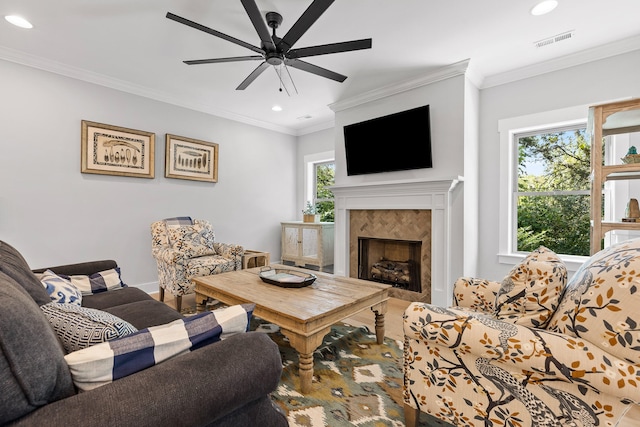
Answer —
418 210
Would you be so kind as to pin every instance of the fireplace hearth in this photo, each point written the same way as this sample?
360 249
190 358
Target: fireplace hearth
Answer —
394 262
391 241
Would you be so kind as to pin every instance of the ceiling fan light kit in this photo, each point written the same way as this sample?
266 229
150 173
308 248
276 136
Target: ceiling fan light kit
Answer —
275 51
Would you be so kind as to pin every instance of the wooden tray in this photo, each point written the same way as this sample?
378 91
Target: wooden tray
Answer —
286 278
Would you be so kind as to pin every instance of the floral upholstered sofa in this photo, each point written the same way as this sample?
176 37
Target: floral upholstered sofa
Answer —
183 249
532 350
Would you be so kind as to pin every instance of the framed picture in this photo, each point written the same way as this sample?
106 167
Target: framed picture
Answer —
187 158
113 150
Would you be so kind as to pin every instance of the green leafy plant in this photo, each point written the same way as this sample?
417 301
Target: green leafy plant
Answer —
310 209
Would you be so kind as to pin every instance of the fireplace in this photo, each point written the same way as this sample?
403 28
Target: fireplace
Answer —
394 262
360 213
392 241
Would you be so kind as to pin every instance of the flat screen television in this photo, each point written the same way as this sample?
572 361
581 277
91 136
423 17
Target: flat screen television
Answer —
399 141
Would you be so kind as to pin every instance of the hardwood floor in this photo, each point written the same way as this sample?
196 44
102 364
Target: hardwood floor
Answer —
392 319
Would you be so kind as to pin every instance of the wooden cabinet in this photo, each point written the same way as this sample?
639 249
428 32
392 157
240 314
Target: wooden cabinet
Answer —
606 122
308 243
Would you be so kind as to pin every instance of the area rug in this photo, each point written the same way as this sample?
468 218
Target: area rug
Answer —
356 382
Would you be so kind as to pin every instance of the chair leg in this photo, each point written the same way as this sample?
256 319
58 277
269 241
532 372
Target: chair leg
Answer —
411 416
161 294
179 303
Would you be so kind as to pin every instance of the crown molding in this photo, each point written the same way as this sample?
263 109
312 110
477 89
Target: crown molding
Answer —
55 67
453 70
600 52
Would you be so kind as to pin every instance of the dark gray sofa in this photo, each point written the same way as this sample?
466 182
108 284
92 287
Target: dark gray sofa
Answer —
223 384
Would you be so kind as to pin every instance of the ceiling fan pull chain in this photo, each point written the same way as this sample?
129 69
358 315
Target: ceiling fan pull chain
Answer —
282 85
291 78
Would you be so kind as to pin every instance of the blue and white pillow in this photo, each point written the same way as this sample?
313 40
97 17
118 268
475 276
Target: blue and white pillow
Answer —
103 363
178 221
108 280
60 290
81 327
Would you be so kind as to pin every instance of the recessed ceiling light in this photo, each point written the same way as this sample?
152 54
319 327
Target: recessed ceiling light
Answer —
276 108
543 7
18 21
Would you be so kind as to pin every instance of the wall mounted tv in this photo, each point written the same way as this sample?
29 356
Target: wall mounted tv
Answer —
399 141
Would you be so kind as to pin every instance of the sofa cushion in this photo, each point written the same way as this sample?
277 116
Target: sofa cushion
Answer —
33 372
601 301
143 314
530 293
102 281
60 289
103 363
193 240
111 299
80 327
15 266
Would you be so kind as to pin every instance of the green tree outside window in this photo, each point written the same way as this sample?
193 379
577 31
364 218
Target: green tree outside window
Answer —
553 191
323 198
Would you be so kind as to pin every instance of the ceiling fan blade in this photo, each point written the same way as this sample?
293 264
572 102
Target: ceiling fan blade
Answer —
303 23
254 74
258 23
314 69
329 48
217 60
213 32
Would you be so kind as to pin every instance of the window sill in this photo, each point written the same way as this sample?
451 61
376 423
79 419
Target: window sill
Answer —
572 262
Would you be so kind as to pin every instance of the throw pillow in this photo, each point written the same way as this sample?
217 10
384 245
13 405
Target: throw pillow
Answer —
103 363
108 280
80 327
193 240
178 221
530 293
60 289
600 304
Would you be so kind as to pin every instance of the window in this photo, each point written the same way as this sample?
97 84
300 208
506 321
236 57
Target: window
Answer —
552 190
324 177
319 176
528 194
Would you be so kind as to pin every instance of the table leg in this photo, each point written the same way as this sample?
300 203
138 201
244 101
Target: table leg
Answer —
305 346
380 310
201 302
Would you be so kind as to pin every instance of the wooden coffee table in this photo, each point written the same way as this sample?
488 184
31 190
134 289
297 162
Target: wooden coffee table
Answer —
305 315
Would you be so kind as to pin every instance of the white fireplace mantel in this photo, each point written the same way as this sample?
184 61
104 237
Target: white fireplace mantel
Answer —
434 195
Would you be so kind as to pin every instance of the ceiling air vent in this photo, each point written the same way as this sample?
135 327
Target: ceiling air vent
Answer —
555 39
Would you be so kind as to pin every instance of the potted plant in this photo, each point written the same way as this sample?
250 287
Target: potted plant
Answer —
309 213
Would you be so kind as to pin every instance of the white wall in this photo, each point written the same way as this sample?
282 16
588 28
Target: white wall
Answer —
317 142
448 114
591 83
53 214
446 109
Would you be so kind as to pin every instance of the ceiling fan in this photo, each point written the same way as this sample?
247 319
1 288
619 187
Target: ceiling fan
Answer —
278 51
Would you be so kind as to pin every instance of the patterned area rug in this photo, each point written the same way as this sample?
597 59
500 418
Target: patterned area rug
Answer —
356 382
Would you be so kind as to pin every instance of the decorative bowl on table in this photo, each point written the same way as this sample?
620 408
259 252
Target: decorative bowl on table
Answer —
631 158
286 278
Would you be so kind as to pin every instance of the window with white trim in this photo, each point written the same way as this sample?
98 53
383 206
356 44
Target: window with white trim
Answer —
319 176
323 199
552 190
542 184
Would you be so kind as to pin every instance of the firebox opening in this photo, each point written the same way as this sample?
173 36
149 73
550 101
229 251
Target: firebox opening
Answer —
394 262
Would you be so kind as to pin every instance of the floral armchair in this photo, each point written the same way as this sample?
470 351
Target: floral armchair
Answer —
529 351
184 249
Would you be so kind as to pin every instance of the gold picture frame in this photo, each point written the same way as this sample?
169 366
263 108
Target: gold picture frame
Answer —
188 158
114 150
